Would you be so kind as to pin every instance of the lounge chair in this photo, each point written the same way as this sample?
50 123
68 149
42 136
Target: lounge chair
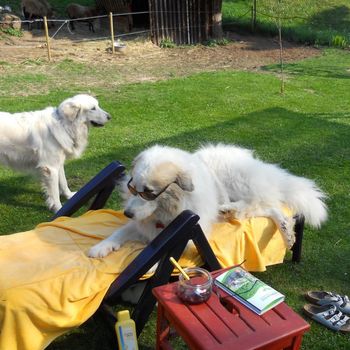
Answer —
48 285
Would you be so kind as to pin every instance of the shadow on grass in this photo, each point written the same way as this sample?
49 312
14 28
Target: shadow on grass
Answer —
15 187
321 70
336 18
22 204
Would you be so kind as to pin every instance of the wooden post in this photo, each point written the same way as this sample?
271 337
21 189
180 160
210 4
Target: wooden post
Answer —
47 38
112 30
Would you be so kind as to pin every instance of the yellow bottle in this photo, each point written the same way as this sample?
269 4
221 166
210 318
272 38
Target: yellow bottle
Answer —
126 331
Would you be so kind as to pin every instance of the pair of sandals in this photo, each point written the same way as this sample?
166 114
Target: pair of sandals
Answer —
330 309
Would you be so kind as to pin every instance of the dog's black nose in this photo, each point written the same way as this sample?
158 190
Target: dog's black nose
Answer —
128 214
109 116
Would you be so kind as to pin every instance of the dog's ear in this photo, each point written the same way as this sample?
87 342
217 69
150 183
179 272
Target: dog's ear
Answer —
69 110
184 181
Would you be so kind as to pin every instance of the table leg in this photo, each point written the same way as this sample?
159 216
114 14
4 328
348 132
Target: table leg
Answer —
163 329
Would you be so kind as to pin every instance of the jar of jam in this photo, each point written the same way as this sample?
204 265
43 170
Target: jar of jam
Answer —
198 288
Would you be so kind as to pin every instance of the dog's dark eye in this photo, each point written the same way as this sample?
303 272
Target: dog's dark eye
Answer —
93 108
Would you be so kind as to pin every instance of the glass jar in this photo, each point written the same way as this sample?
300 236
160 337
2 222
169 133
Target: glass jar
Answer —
198 288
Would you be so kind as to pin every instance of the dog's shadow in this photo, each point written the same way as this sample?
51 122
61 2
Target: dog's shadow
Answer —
14 191
21 193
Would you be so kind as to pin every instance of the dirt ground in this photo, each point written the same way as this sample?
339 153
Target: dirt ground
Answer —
142 60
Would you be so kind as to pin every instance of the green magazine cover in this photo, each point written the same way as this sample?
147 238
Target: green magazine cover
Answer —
249 290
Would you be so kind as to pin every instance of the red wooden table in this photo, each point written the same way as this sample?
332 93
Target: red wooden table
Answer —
224 323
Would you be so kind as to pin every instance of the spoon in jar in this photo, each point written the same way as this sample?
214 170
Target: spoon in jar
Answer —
176 264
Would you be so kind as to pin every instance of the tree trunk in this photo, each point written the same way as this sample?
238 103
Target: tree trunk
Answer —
217 19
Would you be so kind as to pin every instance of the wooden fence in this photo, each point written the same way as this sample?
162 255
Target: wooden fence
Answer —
185 21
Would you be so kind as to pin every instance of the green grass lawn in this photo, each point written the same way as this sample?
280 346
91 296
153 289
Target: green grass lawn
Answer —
319 22
306 131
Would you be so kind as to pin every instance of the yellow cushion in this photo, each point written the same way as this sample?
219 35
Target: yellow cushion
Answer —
48 285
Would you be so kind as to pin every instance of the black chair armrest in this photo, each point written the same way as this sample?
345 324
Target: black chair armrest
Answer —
100 186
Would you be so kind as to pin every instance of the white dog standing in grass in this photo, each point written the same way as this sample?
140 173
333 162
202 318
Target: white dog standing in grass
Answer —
41 141
216 180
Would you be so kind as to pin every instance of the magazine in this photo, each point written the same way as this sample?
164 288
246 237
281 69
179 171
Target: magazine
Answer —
249 290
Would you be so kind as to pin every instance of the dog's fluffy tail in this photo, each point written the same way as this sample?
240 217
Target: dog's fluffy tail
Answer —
306 198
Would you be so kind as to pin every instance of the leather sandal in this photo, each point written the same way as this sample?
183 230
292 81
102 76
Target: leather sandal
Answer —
341 302
329 316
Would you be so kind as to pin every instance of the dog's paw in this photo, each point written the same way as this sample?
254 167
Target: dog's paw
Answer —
227 210
287 228
69 195
54 207
232 210
102 249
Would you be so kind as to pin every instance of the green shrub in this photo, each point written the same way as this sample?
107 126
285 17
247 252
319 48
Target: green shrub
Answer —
339 41
215 42
12 31
167 44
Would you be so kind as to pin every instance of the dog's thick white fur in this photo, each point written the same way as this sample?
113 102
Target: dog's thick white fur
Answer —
41 141
216 180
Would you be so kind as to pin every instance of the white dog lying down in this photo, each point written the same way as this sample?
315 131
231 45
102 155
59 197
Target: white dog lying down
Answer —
40 141
216 179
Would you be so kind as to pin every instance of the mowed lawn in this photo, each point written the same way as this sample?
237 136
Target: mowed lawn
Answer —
306 131
319 22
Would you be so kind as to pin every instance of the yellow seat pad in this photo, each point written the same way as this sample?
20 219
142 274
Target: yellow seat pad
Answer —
48 285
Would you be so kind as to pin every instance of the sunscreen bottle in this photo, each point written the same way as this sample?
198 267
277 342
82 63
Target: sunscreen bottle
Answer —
126 331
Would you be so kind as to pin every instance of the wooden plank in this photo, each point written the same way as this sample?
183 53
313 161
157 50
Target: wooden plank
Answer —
195 20
192 22
183 20
151 20
170 20
165 18
212 322
159 21
199 21
173 21
187 22
178 12
231 319
156 16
